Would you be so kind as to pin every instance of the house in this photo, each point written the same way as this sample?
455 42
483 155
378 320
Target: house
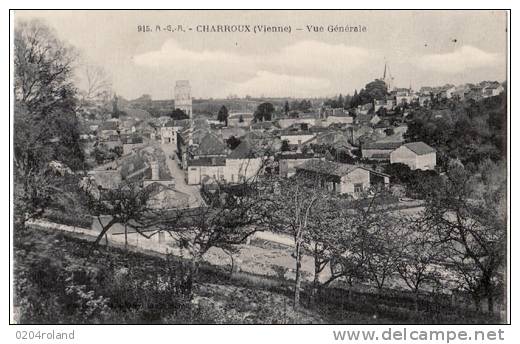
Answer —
364 109
243 163
168 132
131 142
297 134
388 103
340 117
341 178
492 90
285 123
379 150
226 132
209 145
448 91
166 197
424 99
474 92
335 139
205 170
417 155
289 161
403 96
108 129
194 144
356 132
367 119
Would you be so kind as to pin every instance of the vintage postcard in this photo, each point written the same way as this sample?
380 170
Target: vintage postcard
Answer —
260 167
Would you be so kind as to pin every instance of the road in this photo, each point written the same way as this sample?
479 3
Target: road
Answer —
179 176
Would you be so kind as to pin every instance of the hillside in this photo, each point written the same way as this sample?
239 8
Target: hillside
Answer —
112 285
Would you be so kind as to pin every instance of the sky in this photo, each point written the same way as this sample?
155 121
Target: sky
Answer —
421 48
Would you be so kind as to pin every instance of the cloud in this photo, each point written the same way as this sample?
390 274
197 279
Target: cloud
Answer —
299 69
458 61
275 84
318 57
172 52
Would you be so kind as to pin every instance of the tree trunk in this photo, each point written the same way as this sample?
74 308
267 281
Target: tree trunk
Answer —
350 291
126 238
416 301
316 285
477 300
297 281
491 305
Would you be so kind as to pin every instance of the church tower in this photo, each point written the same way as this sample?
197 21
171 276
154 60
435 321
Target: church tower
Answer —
388 78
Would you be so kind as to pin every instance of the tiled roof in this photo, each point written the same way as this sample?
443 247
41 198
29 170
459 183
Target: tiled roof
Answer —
382 145
327 167
419 148
210 144
244 151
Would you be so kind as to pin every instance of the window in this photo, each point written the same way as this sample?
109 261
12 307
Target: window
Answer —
358 187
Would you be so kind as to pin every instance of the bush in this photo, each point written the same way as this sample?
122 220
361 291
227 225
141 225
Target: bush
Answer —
57 282
77 220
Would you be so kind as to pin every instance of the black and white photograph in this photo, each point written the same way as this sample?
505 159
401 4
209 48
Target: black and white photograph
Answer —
261 167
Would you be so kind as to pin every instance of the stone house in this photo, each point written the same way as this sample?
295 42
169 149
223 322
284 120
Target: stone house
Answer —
205 170
341 178
379 150
416 155
289 161
243 163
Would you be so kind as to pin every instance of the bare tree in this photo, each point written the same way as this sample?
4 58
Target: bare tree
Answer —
232 214
472 222
43 68
127 204
302 211
353 242
421 257
97 84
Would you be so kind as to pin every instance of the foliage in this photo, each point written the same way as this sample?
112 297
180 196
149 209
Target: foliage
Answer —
264 112
223 114
376 89
54 284
178 114
468 213
469 131
102 154
302 105
46 130
285 146
232 142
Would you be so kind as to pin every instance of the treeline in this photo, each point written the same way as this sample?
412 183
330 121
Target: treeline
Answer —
470 131
376 89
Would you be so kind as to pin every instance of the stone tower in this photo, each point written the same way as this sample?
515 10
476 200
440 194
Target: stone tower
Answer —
183 96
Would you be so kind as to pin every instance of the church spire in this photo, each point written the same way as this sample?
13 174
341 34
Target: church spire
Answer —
387 77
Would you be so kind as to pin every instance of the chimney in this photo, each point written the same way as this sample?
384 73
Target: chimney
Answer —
155 170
